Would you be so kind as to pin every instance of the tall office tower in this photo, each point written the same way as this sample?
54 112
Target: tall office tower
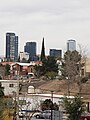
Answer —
30 48
55 52
11 47
71 45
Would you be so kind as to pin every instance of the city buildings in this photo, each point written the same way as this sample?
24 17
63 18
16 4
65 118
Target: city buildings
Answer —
23 55
55 52
11 47
30 48
71 45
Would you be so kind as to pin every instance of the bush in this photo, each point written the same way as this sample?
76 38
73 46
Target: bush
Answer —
74 107
84 79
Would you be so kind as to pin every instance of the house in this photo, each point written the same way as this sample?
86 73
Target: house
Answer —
23 68
10 87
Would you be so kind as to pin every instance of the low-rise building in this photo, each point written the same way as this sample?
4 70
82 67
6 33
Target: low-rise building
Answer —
10 87
24 55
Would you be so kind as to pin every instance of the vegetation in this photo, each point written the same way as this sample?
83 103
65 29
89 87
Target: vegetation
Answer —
48 105
7 69
0 78
51 75
72 69
48 67
74 107
71 64
2 71
84 79
43 51
24 60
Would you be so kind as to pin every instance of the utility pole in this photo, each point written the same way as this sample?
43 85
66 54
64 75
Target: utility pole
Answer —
17 99
52 104
15 106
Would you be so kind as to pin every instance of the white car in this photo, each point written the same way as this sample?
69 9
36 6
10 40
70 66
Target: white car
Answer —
46 114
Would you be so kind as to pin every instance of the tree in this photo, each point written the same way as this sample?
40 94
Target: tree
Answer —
71 68
48 65
43 51
7 69
74 107
70 64
51 75
1 91
2 71
24 60
18 59
48 105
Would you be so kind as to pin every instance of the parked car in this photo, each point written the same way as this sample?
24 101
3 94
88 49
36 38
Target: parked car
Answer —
85 116
46 114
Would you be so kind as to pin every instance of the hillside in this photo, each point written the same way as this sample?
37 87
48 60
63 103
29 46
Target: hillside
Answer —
58 87
61 87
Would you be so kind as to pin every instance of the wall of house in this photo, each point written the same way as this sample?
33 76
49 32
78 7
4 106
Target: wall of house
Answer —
10 86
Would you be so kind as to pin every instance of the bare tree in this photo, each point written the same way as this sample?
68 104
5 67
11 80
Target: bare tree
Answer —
72 68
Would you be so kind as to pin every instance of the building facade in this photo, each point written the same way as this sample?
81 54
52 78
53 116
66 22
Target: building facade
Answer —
55 52
11 47
10 87
24 55
71 45
30 48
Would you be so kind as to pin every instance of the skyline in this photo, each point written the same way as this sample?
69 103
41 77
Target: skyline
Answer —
55 20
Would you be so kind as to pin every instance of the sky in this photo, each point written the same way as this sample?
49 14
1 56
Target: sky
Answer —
55 20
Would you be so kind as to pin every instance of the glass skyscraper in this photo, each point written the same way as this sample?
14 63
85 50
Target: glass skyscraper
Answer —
55 52
30 48
11 47
71 45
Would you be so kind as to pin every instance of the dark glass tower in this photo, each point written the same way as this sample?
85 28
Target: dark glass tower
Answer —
55 52
11 47
30 48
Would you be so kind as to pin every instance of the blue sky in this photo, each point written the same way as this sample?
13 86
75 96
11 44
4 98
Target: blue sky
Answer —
55 20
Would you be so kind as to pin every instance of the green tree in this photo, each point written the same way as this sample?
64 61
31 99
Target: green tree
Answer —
48 105
48 65
24 60
51 75
43 51
1 91
7 69
74 107
18 59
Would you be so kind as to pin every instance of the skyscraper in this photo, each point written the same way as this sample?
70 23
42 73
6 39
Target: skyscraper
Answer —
55 52
71 45
11 47
30 48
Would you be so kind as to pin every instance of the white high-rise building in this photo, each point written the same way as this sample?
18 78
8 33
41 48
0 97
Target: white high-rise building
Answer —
24 55
71 45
